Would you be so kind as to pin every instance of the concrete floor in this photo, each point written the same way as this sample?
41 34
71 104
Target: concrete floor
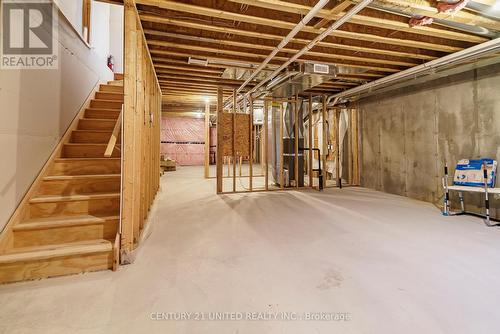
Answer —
393 264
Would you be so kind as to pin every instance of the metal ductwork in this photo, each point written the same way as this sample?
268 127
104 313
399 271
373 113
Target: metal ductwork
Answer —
479 55
299 77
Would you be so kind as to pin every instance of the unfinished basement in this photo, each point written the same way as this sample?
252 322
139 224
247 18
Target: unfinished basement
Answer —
249 166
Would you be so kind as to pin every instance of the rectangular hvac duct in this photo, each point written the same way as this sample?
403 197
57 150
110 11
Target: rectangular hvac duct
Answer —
299 77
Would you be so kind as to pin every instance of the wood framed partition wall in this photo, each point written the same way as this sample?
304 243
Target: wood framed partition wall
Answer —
320 147
141 132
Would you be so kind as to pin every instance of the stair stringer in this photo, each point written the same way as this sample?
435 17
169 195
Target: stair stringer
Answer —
6 236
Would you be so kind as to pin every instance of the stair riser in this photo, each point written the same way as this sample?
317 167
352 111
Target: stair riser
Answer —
106 104
97 124
86 167
71 187
109 96
98 207
53 236
91 137
110 88
30 270
104 113
87 151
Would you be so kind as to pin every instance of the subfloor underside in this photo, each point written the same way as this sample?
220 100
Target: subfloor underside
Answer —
393 265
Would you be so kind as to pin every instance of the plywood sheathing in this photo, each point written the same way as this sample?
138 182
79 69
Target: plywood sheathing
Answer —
241 134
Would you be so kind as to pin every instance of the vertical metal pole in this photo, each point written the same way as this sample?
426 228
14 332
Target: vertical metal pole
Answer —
446 211
486 195
462 204
296 148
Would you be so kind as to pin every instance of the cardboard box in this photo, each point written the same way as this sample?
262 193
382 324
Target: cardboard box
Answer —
470 173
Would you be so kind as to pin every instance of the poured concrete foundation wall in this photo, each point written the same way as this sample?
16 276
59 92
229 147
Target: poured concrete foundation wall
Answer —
408 134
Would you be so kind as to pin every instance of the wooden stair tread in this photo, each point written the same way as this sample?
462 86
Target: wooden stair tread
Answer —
92 130
112 93
83 159
106 100
80 177
71 198
54 251
97 119
101 109
64 221
89 144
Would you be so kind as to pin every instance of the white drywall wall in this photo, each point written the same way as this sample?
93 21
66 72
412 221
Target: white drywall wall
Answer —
99 30
37 107
72 9
116 36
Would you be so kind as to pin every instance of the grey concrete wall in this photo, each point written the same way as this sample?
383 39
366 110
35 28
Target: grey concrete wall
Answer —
408 134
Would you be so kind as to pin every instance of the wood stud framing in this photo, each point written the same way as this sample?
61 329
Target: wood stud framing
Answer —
86 18
239 34
207 140
141 131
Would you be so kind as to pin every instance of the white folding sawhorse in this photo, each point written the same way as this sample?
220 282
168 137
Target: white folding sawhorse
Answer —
461 189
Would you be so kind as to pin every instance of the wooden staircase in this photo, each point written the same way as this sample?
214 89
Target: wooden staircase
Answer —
68 222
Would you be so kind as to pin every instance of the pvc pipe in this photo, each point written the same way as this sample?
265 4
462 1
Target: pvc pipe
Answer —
472 52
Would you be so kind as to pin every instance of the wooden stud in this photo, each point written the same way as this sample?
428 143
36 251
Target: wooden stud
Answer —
250 159
86 18
141 132
265 146
138 138
234 139
207 140
219 157
338 158
130 74
324 147
282 160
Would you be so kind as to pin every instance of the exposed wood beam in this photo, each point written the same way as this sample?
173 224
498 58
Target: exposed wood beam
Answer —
189 47
289 7
221 14
187 68
260 35
191 74
330 55
211 58
330 16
